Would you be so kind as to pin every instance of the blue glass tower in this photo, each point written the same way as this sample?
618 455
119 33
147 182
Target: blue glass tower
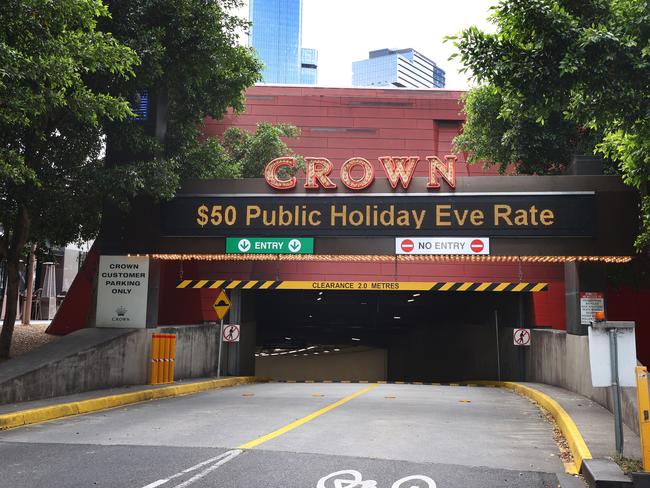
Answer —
276 35
405 68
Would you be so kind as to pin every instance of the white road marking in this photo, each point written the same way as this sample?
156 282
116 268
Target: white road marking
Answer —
419 477
358 482
218 461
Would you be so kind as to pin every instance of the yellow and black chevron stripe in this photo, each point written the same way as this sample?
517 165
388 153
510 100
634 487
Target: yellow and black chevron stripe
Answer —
364 285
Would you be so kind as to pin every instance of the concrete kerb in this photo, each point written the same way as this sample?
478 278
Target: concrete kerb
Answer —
576 442
52 412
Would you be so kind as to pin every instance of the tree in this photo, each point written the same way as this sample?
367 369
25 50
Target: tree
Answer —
50 124
253 151
586 60
515 140
191 60
70 72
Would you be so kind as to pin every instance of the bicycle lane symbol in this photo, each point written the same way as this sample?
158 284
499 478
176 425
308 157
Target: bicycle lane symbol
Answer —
350 478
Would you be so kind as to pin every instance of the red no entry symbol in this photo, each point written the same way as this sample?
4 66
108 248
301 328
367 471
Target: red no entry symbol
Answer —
407 245
477 245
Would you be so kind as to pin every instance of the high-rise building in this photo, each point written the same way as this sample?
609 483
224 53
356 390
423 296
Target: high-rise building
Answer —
276 35
405 68
308 66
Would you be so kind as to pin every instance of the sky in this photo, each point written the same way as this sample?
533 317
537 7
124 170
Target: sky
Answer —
346 30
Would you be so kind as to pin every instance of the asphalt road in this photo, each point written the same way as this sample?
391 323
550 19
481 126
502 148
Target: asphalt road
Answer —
294 435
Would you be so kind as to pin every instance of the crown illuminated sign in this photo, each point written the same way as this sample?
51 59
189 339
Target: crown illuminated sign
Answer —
357 173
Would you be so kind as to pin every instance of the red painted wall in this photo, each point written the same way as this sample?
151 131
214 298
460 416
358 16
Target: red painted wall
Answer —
631 304
339 123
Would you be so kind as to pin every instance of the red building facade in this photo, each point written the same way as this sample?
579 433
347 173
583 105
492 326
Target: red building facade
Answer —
340 123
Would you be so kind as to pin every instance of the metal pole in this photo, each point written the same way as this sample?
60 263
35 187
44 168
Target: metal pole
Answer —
618 420
496 330
220 339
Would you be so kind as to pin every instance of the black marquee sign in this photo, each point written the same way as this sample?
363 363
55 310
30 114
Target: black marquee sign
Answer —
542 214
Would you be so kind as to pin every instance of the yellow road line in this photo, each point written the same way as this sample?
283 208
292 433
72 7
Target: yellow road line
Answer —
304 420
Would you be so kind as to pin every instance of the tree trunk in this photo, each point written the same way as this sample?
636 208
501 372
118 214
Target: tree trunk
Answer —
14 249
27 306
11 311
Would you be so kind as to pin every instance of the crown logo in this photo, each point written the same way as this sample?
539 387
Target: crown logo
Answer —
121 311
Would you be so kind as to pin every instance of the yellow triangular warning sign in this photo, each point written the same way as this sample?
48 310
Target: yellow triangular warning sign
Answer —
221 305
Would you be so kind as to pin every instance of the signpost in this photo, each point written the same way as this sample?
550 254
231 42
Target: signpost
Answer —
612 356
221 306
269 245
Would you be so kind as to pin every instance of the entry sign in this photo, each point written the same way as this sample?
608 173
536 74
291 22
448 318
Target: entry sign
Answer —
521 337
443 245
231 333
221 305
270 245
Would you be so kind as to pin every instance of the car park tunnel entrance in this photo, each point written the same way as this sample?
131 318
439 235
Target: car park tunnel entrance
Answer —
429 336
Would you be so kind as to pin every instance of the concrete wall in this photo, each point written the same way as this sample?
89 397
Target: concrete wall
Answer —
358 364
562 359
92 359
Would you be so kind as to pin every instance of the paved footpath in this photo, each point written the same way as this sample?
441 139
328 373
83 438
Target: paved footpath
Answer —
295 435
596 423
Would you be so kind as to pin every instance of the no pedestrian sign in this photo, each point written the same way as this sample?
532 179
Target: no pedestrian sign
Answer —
443 245
269 245
521 337
231 333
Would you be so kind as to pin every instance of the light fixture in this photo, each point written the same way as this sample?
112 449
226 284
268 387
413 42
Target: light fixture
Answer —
288 338
356 339
372 258
397 317
416 294
320 293
336 350
319 299
410 300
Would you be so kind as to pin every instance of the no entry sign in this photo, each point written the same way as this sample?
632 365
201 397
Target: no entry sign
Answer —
443 245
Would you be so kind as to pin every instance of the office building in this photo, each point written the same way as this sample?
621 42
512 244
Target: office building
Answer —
404 68
276 35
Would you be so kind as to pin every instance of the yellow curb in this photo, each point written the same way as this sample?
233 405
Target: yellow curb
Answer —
52 412
576 442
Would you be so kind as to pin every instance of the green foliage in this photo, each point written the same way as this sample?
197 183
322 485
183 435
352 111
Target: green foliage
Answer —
240 154
514 140
189 55
254 151
50 124
49 116
579 62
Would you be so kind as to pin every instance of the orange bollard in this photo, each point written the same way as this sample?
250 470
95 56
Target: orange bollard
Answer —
165 360
155 362
172 357
643 399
